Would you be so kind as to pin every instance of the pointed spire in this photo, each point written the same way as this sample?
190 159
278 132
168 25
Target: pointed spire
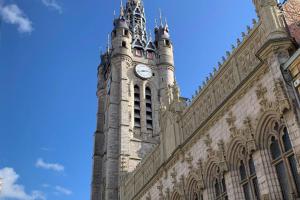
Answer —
121 9
108 43
150 35
156 26
136 19
160 17
166 22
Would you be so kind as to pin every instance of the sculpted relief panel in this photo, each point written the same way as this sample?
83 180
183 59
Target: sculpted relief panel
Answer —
239 66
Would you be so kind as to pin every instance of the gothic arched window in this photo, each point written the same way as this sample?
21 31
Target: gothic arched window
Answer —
248 178
220 187
137 107
194 193
149 119
284 161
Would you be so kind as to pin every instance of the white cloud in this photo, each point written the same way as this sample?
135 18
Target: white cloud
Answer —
63 190
52 4
40 163
45 185
12 190
12 14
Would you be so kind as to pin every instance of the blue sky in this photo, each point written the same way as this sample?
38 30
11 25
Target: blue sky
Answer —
49 53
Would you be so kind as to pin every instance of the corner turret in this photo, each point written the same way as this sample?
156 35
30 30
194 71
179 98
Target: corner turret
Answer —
165 61
271 18
164 45
121 36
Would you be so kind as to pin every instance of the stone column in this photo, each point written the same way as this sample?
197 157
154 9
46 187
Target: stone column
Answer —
234 189
266 176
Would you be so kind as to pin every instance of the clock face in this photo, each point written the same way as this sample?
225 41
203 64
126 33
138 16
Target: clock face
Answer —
143 71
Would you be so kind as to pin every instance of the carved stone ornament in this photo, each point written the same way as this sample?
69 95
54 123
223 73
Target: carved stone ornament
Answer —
208 142
231 119
248 132
173 175
189 160
281 96
160 190
261 96
222 158
197 174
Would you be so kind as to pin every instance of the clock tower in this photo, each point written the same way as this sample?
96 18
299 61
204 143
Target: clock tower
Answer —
135 77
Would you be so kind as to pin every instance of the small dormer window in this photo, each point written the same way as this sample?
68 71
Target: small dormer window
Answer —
124 44
138 52
150 55
167 42
125 32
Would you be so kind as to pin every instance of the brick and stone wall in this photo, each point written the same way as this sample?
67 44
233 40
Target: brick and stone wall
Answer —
292 15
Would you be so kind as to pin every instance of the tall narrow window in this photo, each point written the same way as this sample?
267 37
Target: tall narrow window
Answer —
137 107
149 109
194 193
220 187
285 164
248 178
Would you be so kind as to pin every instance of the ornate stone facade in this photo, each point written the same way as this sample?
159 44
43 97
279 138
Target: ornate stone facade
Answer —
238 138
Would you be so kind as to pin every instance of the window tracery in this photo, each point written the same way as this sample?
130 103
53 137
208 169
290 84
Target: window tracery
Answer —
248 178
219 185
284 162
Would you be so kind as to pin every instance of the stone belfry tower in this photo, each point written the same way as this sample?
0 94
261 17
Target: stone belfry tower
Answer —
135 79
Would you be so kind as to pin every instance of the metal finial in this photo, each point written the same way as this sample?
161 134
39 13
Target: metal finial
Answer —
219 64
227 53
215 69
248 29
